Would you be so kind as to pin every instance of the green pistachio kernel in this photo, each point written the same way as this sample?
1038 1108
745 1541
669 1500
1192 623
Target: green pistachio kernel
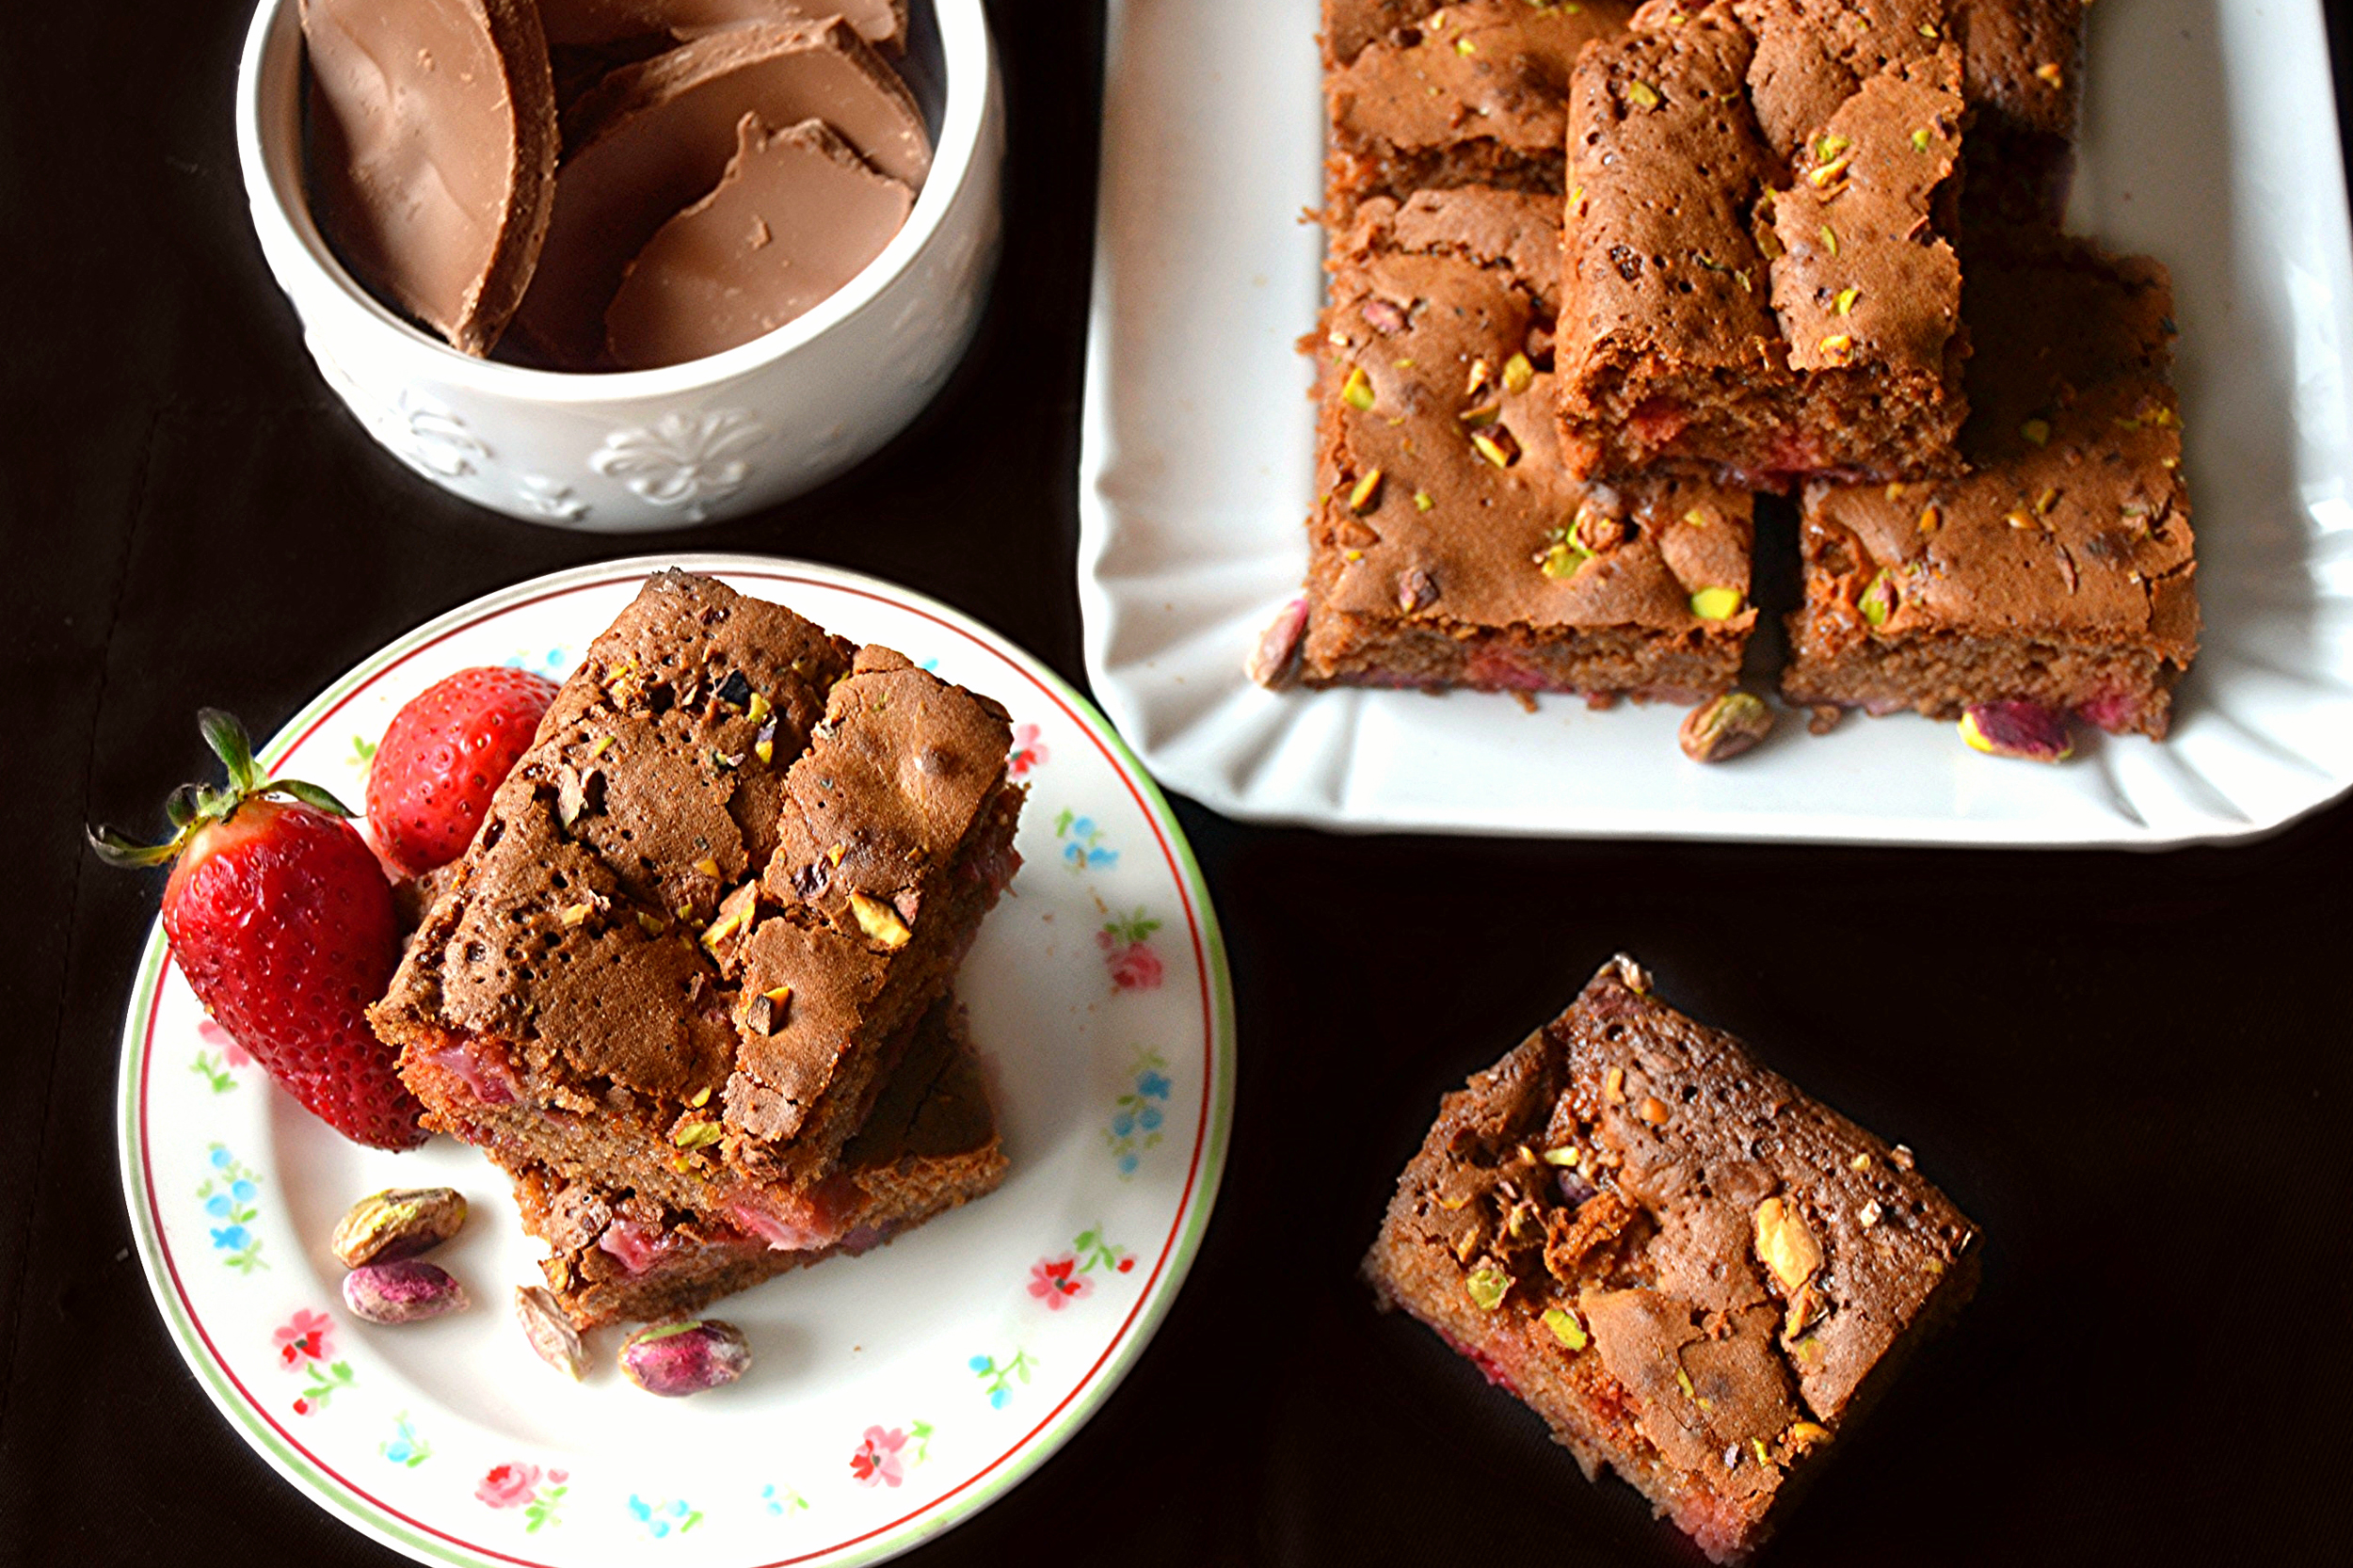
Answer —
1488 1286
1716 603
1357 392
1644 94
1565 1327
1878 600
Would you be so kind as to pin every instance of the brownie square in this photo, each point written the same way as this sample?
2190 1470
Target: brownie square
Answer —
1469 94
930 1145
1768 317
2021 81
1698 1277
699 921
2060 571
1450 547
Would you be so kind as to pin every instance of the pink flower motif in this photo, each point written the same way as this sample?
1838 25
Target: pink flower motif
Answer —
511 1486
1055 1281
222 1041
1134 967
1027 751
302 1337
877 1461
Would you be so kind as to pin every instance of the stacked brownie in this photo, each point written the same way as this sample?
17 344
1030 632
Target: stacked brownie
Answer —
1599 273
1698 1277
689 986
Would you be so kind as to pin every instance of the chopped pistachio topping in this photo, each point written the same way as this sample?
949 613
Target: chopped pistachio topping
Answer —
1497 448
703 1097
1920 140
1806 1434
1613 1086
1365 493
2019 519
605 743
578 914
1716 603
727 925
1860 1162
1422 502
1517 374
1642 94
1838 343
880 921
1568 1154
1829 239
1829 172
652 925
2050 72
1465 46
1698 517
1847 297
1482 413
1357 390
1562 559
1927 29
1827 147
1931 518
2037 431
777 994
2048 499
695 1135
1565 1327
1488 1285
1763 1457
759 709
1895 489
1682 1381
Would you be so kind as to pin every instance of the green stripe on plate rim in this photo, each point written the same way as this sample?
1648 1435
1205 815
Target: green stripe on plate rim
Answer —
992 1483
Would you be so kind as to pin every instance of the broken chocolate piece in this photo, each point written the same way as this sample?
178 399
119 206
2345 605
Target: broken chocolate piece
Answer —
433 147
655 138
797 215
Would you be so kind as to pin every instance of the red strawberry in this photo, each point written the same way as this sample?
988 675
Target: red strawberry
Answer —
443 755
280 917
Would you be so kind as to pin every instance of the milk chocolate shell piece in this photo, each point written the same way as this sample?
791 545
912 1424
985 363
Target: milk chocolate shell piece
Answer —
797 215
432 156
654 137
880 23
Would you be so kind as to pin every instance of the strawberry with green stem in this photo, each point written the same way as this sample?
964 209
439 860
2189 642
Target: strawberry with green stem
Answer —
279 913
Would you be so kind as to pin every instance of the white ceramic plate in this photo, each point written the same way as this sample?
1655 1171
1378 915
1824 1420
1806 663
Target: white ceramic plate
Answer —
2209 142
891 1394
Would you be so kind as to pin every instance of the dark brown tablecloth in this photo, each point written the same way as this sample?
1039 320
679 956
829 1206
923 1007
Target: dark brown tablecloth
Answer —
2135 1070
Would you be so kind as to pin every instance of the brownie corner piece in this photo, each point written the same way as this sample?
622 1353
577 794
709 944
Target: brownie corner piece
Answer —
1698 1277
2062 570
1450 547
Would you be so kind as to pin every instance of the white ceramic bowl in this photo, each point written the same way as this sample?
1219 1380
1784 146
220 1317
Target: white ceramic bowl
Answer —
653 449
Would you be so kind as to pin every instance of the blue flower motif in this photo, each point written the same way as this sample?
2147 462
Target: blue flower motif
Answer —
641 1508
1102 856
242 1190
1128 1165
678 1511
220 1157
1149 1118
1152 1083
231 1239
979 1364
1123 1124
1075 853
997 1400
218 1206
1082 829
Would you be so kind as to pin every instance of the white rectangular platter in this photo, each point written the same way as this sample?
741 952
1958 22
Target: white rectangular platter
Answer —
2209 142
